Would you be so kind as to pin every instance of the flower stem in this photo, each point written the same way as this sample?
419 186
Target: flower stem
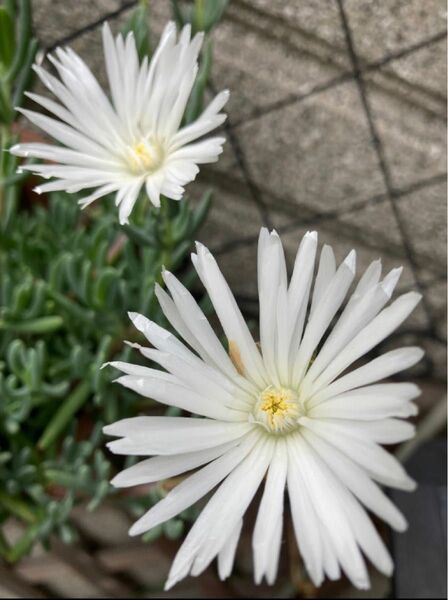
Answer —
62 417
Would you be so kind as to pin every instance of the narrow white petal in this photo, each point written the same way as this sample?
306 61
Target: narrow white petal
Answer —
362 529
246 478
326 308
380 465
198 324
128 201
201 379
299 291
266 538
193 488
172 392
222 513
304 517
357 481
371 335
325 273
230 317
226 556
370 403
171 435
379 368
326 498
163 467
269 263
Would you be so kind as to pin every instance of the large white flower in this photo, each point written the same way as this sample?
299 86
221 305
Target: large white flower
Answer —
285 410
133 141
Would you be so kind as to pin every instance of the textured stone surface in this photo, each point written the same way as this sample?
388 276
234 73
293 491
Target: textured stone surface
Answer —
424 216
271 63
424 68
413 139
55 19
303 156
380 28
313 18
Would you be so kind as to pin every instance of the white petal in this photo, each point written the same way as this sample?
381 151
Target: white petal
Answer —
325 273
246 478
325 310
353 319
356 480
269 262
174 393
222 513
266 538
380 465
370 403
226 556
360 525
371 335
193 488
201 152
128 201
379 368
304 517
163 467
171 435
198 325
230 317
299 291
327 503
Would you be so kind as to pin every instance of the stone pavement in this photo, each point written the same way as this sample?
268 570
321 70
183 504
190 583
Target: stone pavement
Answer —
337 121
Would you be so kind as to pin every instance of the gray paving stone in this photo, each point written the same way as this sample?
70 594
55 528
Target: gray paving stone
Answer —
436 297
262 64
318 19
315 155
424 216
232 217
413 139
381 28
425 68
55 19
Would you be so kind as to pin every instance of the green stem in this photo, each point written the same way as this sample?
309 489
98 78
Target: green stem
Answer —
4 138
41 325
199 13
63 416
167 238
24 544
17 507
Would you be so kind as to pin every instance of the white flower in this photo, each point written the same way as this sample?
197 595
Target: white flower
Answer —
133 141
286 410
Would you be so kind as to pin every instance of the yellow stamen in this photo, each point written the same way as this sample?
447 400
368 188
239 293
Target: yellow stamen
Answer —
145 157
278 410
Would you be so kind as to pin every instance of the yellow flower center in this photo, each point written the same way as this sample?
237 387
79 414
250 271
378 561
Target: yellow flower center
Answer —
278 409
145 157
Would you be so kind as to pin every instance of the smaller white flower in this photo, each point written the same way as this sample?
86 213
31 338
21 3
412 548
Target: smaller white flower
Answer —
133 140
287 411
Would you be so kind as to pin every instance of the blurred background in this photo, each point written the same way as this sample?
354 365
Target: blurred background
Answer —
337 122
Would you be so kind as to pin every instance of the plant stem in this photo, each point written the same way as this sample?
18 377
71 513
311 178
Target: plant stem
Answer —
17 507
62 417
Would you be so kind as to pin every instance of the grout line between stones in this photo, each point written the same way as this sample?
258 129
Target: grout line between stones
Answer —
317 218
339 79
90 26
241 161
382 162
